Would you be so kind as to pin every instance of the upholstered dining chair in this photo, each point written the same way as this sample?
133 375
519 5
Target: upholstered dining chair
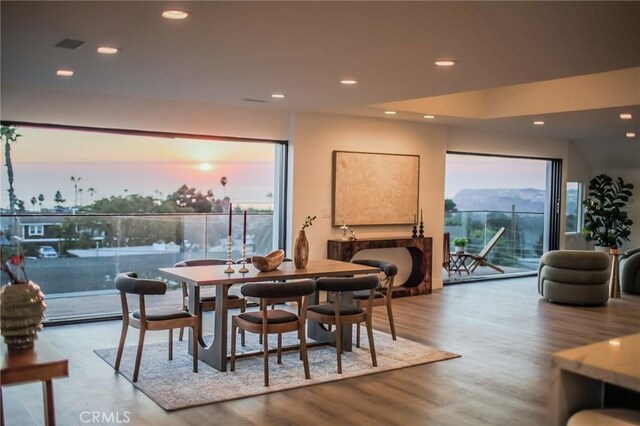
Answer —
159 318
337 313
379 298
208 300
274 321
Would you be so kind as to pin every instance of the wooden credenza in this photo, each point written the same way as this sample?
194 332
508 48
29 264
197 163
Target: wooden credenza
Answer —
420 249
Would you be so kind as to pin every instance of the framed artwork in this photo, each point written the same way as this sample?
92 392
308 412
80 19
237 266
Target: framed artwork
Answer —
375 189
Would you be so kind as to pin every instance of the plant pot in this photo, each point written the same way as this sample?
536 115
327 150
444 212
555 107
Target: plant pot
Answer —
459 249
301 251
21 312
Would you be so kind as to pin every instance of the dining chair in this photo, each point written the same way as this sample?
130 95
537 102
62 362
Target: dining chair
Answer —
274 321
158 318
338 313
361 297
208 300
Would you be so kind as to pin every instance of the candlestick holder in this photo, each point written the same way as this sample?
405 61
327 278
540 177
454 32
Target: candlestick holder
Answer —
415 232
229 269
421 233
244 268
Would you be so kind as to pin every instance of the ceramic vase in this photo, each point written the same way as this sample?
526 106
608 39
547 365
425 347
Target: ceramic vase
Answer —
21 312
301 250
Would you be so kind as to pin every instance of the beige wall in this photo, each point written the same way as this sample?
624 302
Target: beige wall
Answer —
315 136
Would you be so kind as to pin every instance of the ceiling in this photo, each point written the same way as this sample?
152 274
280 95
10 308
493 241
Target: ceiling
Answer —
229 51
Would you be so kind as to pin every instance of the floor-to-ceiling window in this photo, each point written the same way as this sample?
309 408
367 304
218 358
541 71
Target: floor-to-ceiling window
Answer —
485 194
94 203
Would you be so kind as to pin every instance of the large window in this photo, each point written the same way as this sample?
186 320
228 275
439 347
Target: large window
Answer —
573 223
111 202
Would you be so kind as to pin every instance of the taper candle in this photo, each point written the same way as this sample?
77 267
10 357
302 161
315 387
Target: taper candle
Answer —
230 216
420 215
244 230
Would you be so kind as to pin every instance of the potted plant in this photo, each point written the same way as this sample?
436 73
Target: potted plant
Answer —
460 244
605 223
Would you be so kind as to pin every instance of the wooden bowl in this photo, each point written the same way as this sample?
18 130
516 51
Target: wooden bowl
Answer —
269 262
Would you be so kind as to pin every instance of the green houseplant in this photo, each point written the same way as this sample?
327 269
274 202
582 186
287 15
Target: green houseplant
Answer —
605 223
460 244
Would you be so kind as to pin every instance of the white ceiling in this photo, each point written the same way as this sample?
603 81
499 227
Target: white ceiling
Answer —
227 51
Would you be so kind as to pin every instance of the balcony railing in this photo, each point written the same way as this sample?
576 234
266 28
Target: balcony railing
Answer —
93 249
521 245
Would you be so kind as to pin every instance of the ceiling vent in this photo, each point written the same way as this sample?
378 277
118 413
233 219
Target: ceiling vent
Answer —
260 101
67 43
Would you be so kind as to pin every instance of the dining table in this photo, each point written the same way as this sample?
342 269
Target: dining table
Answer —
197 277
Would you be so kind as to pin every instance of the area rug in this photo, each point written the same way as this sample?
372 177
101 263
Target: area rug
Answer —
173 385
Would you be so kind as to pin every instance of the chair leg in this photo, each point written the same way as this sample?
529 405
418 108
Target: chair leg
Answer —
234 327
265 357
279 348
357 335
339 347
136 369
194 349
243 308
170 344
372 348
390 314
123 337
303 352
181 335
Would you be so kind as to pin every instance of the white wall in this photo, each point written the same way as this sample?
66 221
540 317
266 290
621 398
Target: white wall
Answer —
633 208
313 139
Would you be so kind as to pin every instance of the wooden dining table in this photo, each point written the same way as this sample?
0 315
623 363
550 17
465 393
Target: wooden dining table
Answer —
197 277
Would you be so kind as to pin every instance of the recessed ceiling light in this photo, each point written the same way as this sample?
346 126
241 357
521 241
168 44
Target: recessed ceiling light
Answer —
445 62
175 14
106 50
430 116
64 73
348 82
626 116
538 123
390 112
631 135
278 95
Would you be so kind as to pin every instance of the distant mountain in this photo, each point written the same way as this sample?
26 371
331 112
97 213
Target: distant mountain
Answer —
501 199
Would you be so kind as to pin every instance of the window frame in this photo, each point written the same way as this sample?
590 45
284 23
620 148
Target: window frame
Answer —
36 233
579 211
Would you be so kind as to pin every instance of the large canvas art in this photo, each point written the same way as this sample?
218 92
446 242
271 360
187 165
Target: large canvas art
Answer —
375 189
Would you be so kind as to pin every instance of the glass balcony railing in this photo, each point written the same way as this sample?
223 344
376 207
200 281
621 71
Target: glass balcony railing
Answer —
74 258
520 247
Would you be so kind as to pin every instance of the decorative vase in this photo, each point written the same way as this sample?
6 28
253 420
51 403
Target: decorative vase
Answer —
301 250
459 249
21 312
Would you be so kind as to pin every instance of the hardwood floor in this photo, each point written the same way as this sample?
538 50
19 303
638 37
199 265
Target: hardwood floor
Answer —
504 331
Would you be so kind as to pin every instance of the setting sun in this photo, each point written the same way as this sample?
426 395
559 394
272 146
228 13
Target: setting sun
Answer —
205 167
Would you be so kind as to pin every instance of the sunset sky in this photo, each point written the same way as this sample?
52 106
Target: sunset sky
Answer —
480 172
44 161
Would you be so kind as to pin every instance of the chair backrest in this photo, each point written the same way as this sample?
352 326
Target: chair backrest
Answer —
200 262
364 282
389 269
128 282
485 251
272 290
446 248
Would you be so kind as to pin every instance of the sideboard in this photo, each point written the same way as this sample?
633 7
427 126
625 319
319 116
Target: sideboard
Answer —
420 249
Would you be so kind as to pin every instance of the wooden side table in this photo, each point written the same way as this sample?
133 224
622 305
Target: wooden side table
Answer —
458 262
43 362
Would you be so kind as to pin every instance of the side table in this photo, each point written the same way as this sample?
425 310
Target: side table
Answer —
458 262
42 363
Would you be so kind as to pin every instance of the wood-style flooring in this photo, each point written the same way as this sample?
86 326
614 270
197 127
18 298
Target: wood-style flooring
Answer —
504 331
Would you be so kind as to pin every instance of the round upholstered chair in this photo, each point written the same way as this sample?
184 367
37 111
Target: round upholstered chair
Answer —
630 271
574 277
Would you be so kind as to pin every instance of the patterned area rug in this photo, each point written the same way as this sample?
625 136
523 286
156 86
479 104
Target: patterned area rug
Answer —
173 385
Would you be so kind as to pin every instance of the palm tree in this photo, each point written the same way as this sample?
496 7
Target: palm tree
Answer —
58 199
9 135
40 200
75 189
223 181
34 201
91 192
